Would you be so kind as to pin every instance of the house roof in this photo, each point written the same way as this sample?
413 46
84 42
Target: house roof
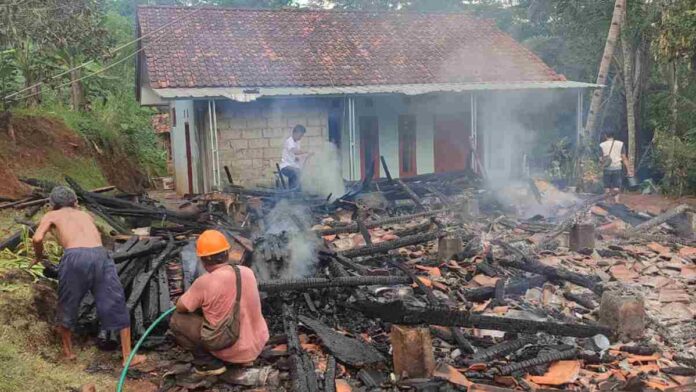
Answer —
243 48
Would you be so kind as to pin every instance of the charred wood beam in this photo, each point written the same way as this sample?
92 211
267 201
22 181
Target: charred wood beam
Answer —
353 228
330 375
660 219
386 246
139 287
513 287
557 273
302 368
499 350
399 313
95 207
411 194
386 168
272 286
542 359
151 247
415 229
571 217
15 239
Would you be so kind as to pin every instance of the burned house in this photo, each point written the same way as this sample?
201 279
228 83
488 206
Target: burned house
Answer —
431 92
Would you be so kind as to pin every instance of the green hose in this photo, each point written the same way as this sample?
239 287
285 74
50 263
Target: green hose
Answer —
122 379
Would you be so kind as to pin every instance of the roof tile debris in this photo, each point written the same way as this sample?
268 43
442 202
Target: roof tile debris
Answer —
227 47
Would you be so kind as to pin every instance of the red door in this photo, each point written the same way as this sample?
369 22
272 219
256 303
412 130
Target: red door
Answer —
407 146
369 145
451 144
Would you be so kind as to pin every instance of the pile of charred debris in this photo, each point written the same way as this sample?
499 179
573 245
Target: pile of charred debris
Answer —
427 283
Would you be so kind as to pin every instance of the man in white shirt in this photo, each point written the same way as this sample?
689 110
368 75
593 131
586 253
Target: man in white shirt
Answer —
613 157
293 157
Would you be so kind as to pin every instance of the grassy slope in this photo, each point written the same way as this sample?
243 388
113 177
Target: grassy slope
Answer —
30 352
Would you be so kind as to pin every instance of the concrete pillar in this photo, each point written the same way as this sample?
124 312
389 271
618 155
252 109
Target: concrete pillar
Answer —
412 352
582 235
448 247
623 313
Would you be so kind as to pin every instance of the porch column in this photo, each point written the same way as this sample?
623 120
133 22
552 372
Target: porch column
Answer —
213 140
474 133
579 114
352 136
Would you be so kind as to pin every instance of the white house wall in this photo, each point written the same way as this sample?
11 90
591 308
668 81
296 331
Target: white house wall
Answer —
388 108
184 114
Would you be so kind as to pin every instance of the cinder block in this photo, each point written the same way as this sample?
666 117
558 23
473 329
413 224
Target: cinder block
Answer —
252 134
255 153
238 144
276 132
276 142
277 121
412 352
243 163
230 134
258 163
295 120
318 120
237 123
582 236
258 143
625 314
313 131
257 123
448 247
272 153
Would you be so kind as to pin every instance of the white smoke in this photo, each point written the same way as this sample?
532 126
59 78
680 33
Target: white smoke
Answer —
293 223
321 174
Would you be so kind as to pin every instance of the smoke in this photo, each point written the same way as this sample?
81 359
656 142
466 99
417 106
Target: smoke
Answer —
293 246
321 174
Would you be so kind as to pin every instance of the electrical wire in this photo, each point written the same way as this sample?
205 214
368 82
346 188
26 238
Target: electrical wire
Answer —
111 52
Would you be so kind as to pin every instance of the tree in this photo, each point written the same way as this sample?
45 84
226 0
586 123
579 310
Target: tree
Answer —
612 37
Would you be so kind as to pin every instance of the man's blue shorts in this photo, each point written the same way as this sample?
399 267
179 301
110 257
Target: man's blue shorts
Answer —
90 269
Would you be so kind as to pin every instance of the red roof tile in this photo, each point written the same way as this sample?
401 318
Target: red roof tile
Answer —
226 47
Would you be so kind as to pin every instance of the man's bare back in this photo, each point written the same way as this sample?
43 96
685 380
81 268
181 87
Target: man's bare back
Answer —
73 228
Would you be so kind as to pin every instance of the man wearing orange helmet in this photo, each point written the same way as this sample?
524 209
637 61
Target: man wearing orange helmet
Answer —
231 328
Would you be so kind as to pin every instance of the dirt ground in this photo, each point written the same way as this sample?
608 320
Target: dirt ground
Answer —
46 148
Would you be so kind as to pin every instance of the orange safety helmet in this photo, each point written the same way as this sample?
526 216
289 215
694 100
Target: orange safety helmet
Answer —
211 242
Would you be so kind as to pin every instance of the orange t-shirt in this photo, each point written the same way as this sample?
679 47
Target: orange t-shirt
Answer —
215 292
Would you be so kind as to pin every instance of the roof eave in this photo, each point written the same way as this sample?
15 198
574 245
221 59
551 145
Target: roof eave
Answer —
247 94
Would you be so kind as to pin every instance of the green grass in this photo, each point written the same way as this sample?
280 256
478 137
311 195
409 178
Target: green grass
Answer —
29 351
85 171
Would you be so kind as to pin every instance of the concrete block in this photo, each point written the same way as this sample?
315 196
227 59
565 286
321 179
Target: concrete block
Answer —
238 144
255 153
276 142
624 313
313 131
582 236
317 120
295 120
252 134
448 247
272 153
277 132
412 352
277 121
471 207
243 163
683 224
237 123
258 163
256 123
258 143
230 134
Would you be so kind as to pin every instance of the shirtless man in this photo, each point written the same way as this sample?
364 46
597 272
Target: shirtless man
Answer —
85 266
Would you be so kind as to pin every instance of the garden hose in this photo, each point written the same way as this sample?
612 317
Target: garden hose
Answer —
124 372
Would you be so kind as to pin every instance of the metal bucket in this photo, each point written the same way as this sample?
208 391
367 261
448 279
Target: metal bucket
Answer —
632 182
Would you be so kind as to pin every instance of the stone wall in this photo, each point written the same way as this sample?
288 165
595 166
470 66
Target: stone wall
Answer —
251 135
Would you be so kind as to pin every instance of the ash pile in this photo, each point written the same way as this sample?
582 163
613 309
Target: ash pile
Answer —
436 283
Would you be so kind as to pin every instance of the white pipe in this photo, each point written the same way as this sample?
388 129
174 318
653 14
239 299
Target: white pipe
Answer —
579 114
216 150
209 177
352 136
